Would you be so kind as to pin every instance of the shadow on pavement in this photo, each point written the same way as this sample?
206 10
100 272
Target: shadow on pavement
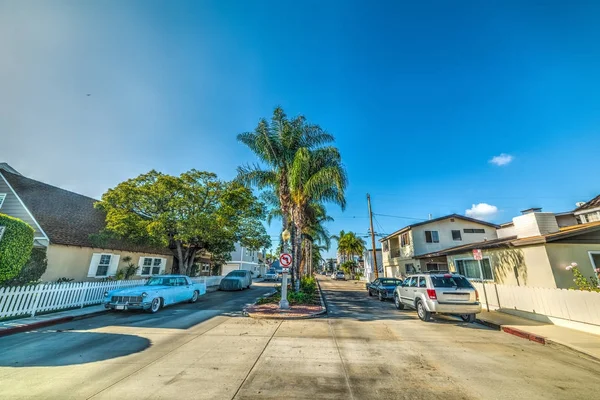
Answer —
70 348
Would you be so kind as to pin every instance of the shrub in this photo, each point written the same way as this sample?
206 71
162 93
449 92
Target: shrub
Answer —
308 284
33 270
581 282
15 246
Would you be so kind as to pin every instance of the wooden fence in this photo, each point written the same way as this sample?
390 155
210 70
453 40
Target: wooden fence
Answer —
31 299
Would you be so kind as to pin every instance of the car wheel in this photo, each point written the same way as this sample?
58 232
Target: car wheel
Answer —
155 305
468 317
398 303
423 314
381 298
194 297
370 293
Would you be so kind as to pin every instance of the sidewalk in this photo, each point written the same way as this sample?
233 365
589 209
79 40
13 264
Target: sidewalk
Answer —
39 321
543 333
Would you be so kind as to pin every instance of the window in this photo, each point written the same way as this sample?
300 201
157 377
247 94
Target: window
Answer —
405 239
594 256
103 265
432 237
456 235
413 281
410 268
2 197
152 266
474 230
448 282
470 269
422 282
205 267
592 217
181 282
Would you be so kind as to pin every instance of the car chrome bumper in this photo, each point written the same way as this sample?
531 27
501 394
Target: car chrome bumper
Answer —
453 308
127 306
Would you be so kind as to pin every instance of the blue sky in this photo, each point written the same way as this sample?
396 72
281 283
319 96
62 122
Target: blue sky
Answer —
419 96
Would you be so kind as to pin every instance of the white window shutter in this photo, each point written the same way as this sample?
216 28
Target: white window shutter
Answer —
114 264
140 266
163 265
94 265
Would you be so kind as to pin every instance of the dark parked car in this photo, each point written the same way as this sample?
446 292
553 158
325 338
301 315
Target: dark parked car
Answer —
236 280
383 288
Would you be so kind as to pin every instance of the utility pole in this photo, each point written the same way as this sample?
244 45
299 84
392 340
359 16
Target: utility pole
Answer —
373 238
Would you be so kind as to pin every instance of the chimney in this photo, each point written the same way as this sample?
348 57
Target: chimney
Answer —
533 223
430 216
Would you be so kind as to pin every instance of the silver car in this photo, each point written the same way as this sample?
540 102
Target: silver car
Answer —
438 294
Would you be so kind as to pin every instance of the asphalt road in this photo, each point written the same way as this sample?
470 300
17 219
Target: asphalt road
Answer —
363 349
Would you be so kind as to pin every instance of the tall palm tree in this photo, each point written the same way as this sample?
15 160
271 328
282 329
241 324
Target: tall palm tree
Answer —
316 176
276 144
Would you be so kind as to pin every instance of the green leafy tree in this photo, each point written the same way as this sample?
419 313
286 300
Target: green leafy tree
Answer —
33 269
192 213
351 245
16 243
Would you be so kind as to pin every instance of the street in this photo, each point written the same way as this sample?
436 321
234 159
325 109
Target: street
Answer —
364 349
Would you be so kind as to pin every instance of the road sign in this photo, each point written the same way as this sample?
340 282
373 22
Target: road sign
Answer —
477 254
285 260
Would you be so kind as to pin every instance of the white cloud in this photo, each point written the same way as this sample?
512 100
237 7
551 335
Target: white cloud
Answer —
482 211
502 159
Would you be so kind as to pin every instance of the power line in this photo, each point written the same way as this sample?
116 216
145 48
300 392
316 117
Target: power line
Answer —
401 217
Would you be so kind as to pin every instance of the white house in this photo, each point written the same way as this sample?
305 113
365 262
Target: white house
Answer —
243 258
403 248
369 267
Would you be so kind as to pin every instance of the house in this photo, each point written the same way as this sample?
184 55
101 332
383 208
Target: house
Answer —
403 250
532 250
588 212
244 258
64 224
368 263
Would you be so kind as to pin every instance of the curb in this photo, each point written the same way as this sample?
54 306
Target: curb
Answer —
49 322
309 316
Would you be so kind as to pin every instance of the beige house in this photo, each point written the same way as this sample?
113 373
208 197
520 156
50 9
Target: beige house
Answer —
402 250
533 250
64 223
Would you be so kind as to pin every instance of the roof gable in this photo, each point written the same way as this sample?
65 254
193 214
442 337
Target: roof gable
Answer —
593 203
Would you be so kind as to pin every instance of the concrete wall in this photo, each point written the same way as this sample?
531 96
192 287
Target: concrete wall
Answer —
445 228
74 262
563 254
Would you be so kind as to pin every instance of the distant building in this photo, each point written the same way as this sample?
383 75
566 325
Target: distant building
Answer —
368 264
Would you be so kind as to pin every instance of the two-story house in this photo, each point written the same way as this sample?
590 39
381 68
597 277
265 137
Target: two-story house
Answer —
244 258
403 249
588 212
65 224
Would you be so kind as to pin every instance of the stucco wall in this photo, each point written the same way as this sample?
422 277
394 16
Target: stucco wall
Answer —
74 262
561 255
445 229
524 266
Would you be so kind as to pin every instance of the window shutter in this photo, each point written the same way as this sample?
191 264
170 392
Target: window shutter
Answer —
163 265
114 264
94 265
140 266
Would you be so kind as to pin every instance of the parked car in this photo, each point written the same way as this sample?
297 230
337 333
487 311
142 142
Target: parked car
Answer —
438 294
158 292
383 288
338 276
236 280
272 275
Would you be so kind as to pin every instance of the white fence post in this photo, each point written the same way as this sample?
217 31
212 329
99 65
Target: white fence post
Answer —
38 296
83 294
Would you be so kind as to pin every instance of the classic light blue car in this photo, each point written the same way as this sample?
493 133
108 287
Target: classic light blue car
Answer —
158 292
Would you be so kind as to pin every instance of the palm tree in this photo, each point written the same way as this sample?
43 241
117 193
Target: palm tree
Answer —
351 245
316 176
315 233
276 144
338 238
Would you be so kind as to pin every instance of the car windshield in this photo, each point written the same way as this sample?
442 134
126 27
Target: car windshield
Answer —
388 282
450 281
237 273
161 282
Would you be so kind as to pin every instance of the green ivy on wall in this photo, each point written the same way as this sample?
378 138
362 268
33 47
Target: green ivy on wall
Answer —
15 246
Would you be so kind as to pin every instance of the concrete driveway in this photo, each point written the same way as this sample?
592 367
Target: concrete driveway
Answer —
365 349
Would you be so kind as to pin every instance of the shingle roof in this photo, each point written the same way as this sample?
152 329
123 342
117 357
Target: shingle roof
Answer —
593 203
406 228
67 218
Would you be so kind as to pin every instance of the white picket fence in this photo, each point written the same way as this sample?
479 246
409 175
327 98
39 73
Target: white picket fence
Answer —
32 299
573 305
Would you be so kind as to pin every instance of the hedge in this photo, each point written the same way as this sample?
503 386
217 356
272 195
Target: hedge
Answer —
15 246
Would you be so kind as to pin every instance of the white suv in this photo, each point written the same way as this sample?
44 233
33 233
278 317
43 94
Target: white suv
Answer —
438 294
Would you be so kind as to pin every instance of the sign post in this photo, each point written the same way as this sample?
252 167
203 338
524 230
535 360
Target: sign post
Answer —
478 255
285 260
